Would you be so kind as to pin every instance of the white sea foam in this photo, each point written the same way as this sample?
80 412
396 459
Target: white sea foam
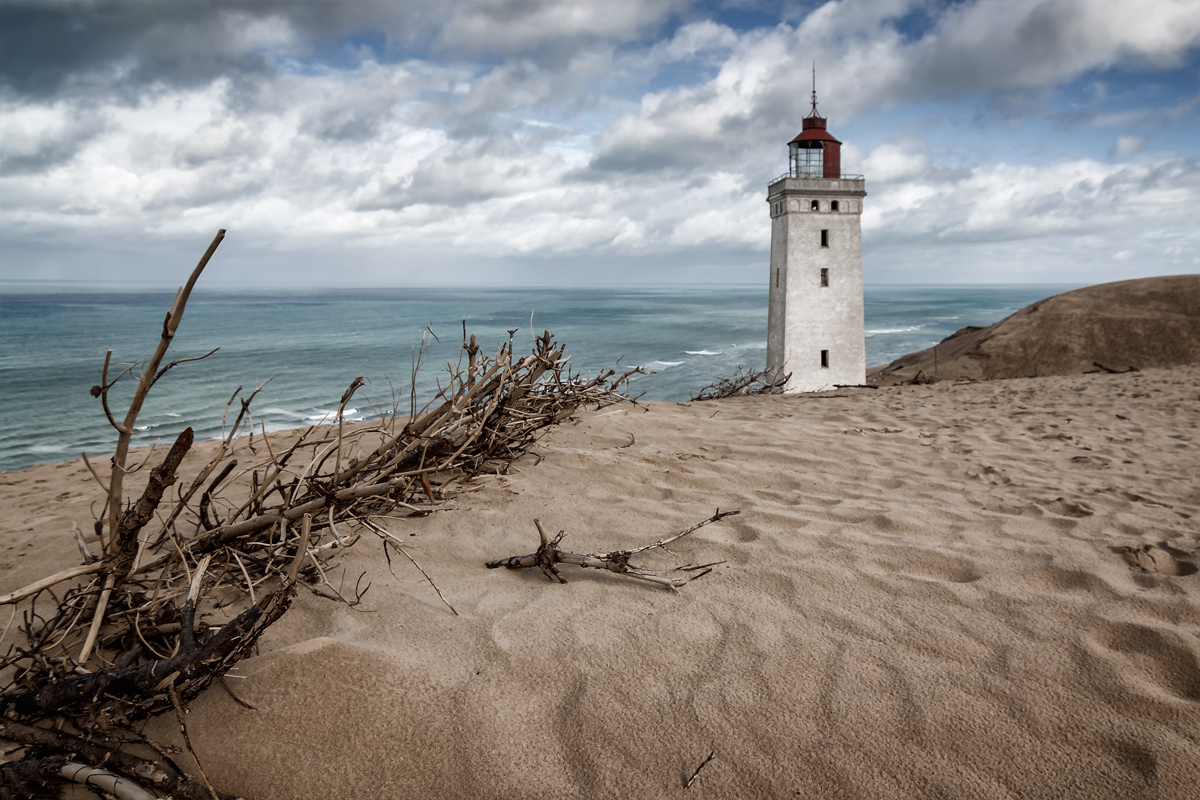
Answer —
884 331
703 352
668 363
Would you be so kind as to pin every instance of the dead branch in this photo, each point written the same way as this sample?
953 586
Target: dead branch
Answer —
548 556
149 372
744 384
46 583
145 772
696 774
1109 370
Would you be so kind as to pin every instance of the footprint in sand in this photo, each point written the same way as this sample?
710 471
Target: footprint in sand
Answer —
990 476
1066 508
1091 461
929 565
1134 498
1002 508
1156 658
1160 558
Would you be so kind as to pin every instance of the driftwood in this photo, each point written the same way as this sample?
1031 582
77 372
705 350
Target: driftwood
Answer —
195 565
744 384
22 778
920 379
1109 370
547 557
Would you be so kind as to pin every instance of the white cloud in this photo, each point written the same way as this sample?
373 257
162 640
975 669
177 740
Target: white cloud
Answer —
894 161
1128 146
1065 217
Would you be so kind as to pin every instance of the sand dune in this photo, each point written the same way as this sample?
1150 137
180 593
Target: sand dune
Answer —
1150 322
979 590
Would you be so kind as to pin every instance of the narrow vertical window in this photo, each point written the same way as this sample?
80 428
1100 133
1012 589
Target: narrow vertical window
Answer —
833 205
816 205
777 278
824 238
824 277
824 359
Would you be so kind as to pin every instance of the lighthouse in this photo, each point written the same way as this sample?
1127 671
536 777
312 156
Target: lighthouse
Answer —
815 305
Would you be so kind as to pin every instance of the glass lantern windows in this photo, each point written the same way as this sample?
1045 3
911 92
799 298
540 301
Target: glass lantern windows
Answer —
807 161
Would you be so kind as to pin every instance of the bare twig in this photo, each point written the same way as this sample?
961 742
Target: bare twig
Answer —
745 383
548 556
712 754
391 539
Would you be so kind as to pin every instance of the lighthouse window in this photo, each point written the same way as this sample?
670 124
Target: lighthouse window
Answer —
816 205
824 238
833 206
824 359
824 277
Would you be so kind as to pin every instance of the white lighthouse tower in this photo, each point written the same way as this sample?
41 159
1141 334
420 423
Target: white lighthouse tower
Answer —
815 308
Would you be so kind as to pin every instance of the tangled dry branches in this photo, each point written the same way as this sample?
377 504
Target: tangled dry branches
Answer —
745 383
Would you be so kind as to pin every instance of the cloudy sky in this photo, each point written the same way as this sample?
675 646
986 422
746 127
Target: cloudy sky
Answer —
591 141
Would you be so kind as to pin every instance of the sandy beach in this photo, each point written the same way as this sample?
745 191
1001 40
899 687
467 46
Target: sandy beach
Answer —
977 589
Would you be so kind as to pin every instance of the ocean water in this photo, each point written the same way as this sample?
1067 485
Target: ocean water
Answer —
312 342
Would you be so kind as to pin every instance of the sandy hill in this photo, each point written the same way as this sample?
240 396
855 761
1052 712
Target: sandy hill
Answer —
1150 322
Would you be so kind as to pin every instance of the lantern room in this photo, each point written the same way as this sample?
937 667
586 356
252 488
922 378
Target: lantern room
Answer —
814 153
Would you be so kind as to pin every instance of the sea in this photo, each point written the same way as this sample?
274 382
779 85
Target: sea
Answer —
312 342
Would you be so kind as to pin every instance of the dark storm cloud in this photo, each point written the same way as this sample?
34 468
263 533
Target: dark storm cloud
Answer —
47 47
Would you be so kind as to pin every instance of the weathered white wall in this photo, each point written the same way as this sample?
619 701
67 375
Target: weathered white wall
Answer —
804 318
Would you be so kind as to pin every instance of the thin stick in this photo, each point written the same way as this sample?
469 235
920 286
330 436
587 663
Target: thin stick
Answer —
388 536
97 620
301 549
246 575
179 714
11 617
95 474
664 542
45 583
696 774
